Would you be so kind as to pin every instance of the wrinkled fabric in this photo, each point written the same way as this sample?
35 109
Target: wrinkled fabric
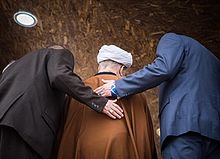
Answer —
91 135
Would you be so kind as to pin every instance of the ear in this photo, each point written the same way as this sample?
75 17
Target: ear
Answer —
121 71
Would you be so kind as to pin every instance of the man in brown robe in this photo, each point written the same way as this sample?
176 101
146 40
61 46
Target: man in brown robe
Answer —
89 135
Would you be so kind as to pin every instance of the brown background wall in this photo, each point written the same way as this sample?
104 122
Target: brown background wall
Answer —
84 26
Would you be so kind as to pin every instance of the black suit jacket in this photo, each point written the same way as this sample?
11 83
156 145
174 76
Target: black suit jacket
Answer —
32 94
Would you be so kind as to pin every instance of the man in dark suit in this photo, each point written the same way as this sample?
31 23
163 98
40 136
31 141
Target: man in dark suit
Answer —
32 95
189 112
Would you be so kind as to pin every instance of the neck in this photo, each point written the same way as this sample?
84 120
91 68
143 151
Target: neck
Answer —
107 70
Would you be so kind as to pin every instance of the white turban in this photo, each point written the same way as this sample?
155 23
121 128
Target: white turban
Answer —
114 53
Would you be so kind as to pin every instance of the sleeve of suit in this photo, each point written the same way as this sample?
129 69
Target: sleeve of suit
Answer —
169 56
60 73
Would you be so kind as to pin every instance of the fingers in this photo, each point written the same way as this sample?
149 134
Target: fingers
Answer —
102 91
117 112
105 90
108 81
112 115
115 100
98 90
106 93
117 109
113 110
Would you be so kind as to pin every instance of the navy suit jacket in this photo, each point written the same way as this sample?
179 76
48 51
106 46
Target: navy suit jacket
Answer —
189 79
32 94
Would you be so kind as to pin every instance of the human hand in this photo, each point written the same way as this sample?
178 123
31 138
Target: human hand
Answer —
113 110
105 90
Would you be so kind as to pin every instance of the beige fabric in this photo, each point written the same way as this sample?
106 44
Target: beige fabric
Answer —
91 135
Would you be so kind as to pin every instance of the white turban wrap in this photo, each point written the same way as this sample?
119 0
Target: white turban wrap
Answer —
114 53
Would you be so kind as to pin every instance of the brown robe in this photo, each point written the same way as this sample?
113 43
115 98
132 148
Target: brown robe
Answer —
91 135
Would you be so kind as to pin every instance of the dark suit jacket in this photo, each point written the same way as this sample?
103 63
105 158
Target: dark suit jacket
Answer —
189 79
32 94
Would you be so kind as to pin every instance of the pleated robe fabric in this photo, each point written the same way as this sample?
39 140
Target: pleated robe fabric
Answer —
91 135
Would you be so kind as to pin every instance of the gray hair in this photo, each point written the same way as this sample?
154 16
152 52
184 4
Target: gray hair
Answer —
109 64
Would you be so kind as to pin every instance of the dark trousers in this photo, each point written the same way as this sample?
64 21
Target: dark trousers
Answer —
191 145
12 146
